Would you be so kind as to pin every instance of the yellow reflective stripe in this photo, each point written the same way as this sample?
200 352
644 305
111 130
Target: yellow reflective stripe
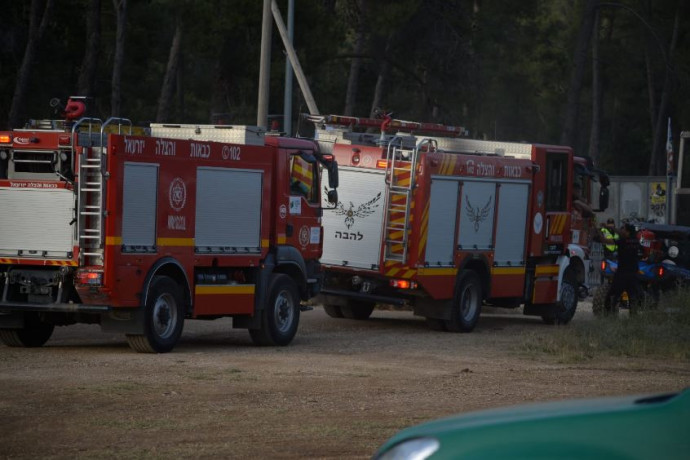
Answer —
437 271
186 242
207 289
117 241
545 270
508 271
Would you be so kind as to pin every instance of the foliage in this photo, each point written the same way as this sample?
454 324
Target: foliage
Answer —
661 332
500 69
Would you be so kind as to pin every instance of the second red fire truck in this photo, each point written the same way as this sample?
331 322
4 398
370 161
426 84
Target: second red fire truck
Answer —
445 224
139 232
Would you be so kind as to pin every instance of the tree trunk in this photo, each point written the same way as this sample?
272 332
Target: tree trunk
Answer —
116 89
596 92
37 25
168 88
379 90
649 52
577 74
87 73
658 161
356 64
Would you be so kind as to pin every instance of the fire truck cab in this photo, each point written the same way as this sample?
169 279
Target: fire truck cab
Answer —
139 230
444 224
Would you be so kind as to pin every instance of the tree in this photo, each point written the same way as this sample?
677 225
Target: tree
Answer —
37 26
87 74
596 91
577 73
356 64
168 87
118 61
657 161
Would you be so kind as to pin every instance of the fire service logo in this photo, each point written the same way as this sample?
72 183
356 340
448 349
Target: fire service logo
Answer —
178 194
362 211
477 215
304 236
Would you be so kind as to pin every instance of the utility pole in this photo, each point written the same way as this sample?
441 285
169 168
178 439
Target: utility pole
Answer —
265 66
287 106
301 79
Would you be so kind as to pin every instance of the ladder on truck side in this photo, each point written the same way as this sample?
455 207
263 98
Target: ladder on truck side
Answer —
401 166
92 176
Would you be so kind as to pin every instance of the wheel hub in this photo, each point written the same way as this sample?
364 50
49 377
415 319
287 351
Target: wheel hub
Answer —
163 320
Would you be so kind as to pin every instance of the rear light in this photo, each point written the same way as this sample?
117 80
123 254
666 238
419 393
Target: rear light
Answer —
603 265
91 278
661 272
5 139
64 140
403 284
355 158
381 164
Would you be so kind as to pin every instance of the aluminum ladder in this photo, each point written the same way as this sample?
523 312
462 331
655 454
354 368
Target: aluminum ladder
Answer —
91 187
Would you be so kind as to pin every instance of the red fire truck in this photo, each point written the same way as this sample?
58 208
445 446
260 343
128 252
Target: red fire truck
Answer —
444 224
139 232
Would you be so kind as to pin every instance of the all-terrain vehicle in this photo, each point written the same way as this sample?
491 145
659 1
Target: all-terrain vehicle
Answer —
664 265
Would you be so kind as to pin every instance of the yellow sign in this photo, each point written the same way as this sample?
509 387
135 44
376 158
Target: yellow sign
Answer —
657 193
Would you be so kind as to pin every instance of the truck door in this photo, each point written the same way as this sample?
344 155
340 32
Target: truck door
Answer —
557 202
304 229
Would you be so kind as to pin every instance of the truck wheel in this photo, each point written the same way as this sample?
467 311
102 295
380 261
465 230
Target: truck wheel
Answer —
467 303
333 311
163 318
357 309
280 316
564 309
35 333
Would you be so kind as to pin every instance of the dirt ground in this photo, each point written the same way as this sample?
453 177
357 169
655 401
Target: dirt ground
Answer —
338 391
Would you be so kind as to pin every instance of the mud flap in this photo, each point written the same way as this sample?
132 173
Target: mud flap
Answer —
130 321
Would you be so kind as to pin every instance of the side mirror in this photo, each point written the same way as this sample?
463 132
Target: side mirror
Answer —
332 197
333 180
603 199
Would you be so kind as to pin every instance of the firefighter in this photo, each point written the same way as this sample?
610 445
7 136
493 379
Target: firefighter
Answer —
608 232
625 278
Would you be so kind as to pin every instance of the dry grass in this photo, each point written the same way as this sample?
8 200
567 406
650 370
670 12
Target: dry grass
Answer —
660 331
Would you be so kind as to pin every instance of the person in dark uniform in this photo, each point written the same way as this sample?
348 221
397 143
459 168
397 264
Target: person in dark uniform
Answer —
625 278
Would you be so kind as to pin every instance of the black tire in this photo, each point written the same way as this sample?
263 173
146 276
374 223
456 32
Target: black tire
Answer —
599 307
333 311
163 317
280 316
564 309
357 309
467 303
35 333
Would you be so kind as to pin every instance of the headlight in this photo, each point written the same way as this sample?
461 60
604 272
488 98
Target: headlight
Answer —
412 449
673 252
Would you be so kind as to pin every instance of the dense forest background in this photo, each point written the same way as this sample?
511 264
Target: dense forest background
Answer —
601 76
